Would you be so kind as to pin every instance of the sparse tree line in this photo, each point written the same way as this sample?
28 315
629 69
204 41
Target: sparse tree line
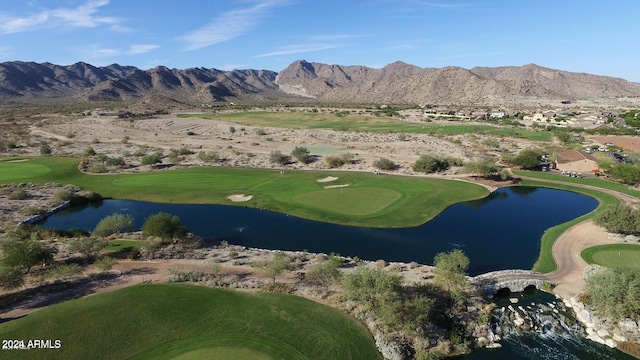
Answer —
27 247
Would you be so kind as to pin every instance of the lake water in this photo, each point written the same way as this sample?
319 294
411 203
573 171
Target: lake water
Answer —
502 231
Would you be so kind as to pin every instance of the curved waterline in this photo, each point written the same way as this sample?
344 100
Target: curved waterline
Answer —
501 231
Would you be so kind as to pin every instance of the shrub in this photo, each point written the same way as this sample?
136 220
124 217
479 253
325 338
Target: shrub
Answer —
116 161
260 132
165 226
105 263
277 157
89 152
430 164
45 149
89 247
18 194
113 224
62 196
65 272
11 278
208 156
334 161
98 168
32 210
151 159
232 129
301 154
385 164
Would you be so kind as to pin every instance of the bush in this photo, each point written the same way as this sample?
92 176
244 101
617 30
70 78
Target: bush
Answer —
165 226
208 156
98 168
615 293
89 247
277 157
528 159
335 161
260 132
151 159
62 196
65 272
429 164
116 161
619 218
11 278
45 149
385 164
301 154
105 263
32 210
113 224
18 194
89 152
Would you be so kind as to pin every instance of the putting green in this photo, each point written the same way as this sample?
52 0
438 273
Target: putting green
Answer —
350 200
613 255
21 169
223 353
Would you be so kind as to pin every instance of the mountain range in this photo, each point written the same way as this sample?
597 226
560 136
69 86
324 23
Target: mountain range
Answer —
310 81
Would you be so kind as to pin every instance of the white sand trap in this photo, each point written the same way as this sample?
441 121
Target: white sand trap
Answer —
22 160
327 179
336 186
239 197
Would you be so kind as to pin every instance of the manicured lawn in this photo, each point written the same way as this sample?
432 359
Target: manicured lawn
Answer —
372 200
601 183
613 255
168 321
301 120
545 262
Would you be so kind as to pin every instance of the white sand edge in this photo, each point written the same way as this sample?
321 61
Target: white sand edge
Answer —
239 197
14 161
336 186
327 179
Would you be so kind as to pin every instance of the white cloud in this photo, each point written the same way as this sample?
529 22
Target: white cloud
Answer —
229 25
140 49
84 15
297 49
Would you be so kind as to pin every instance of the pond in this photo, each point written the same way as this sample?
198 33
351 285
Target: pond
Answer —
501 231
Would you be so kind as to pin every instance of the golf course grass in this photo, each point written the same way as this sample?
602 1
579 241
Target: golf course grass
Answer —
169 321
363 122
613 255
369 200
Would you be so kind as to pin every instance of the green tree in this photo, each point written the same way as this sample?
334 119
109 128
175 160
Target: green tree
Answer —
24 254
528 159
276 266
113 224
105 263
373 287
625 173
301 154
89 247
429 164
619 218
615 293
277 157
485 167
165 226
450 271
11 278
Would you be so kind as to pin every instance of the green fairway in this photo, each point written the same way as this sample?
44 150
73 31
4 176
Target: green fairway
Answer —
371 123
613 255
22 169
171 321
352 201
545 262
370 200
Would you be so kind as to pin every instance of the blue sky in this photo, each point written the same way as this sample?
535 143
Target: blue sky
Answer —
592 36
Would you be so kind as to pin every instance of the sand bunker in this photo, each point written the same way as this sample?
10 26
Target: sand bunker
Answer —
336 186
327 179
13 161
239 197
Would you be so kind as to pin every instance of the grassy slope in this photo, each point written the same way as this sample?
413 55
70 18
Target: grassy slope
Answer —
545 262
613 255
302 120
137 319
420 200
